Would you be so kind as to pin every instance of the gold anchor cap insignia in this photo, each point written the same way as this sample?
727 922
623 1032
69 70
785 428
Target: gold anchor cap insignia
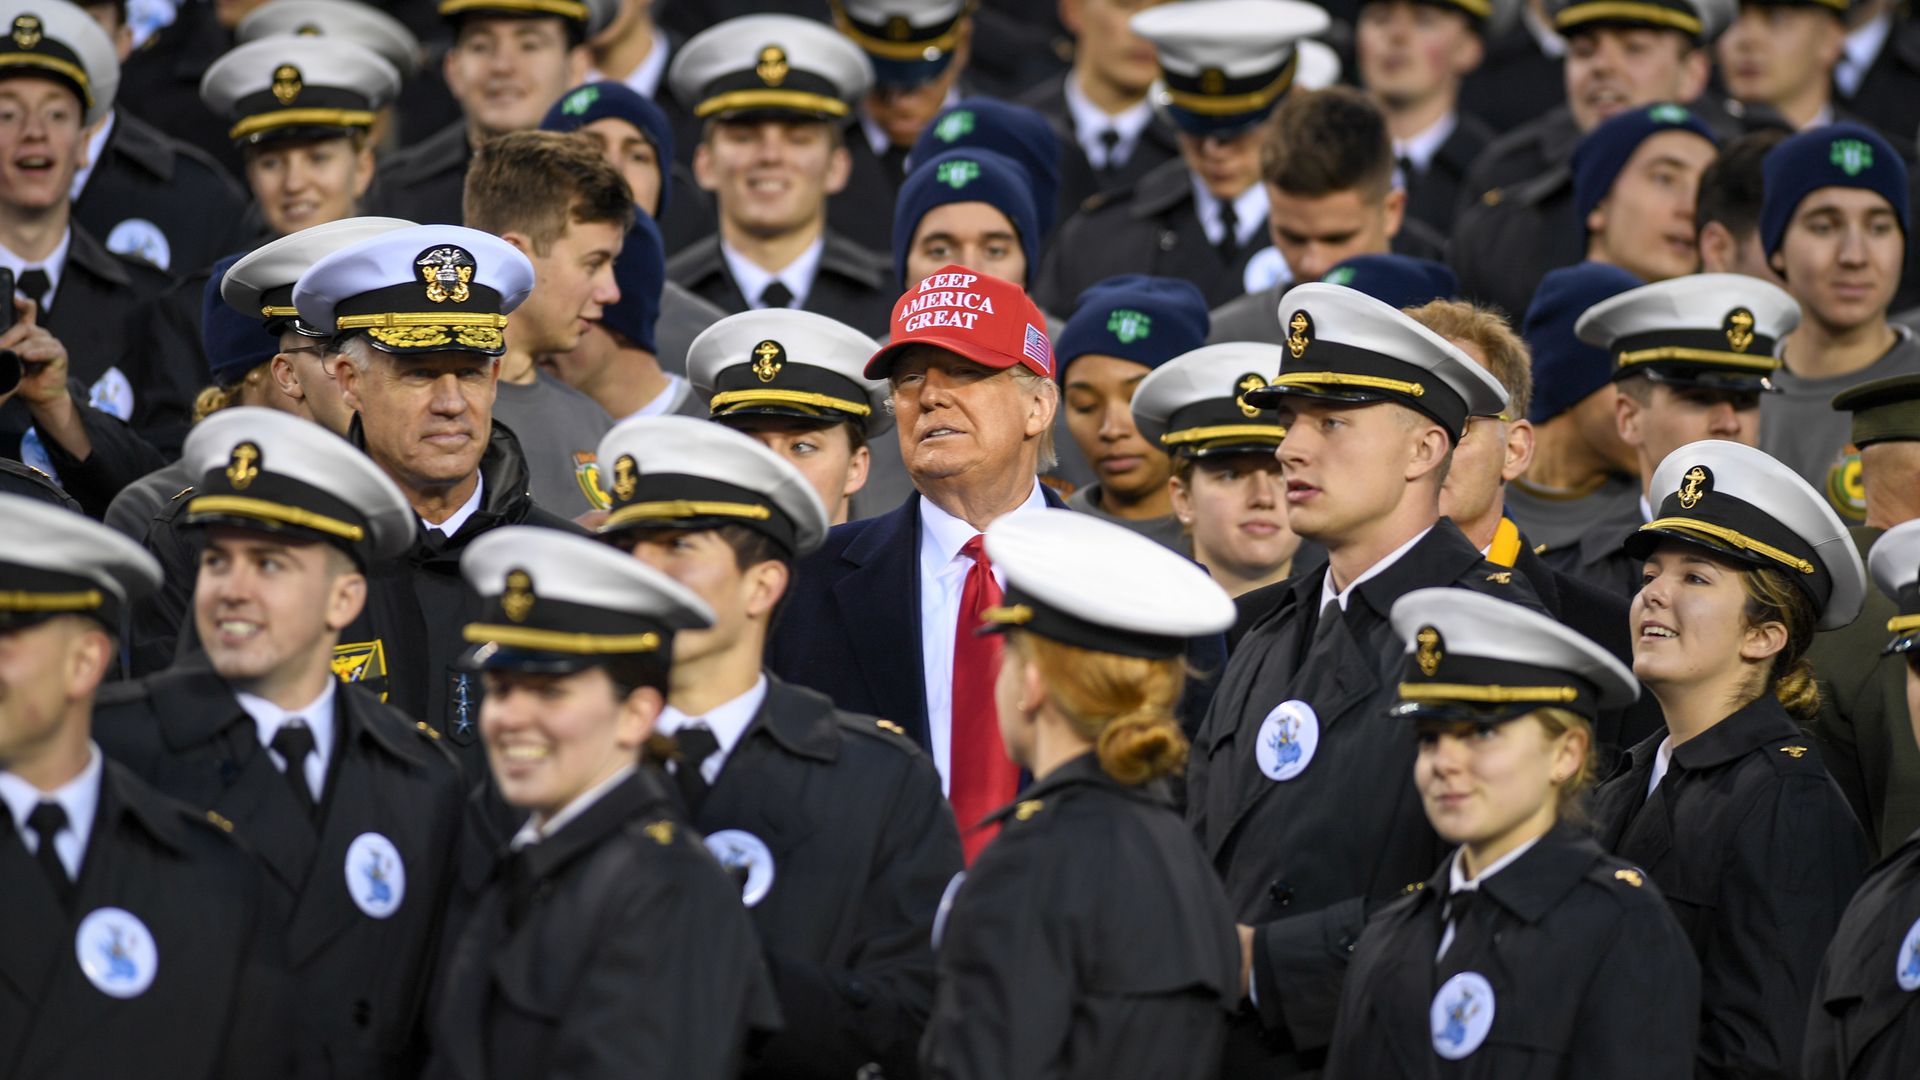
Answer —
1739 329
768 358
517 601
243 465
287 83
1243 386
1299 333
626 477
26 31
772 67
1694 486
1428 650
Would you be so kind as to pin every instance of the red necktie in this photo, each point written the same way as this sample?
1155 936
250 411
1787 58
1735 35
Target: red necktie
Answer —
983 779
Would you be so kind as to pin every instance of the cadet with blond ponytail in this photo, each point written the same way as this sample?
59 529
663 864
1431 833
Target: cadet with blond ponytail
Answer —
1729 809
1090 938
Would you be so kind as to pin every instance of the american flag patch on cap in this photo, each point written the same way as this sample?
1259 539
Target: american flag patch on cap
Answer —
1037 349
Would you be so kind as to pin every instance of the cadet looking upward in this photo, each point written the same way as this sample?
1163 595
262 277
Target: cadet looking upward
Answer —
834 823
1543 946
1091 938
354 808
1729 809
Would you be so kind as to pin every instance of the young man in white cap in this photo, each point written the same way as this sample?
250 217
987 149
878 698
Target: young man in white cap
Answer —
775 92
303 111
727 518
420 314
608 942
1224 65
796 382
318 776
510 60
139 932
1296 780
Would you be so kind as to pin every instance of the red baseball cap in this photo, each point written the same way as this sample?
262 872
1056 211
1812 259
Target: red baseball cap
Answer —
985 319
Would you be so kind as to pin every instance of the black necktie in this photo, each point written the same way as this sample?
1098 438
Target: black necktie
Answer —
1229 245
894 160
1458 910
776 295
1110 142
696 744
46 821
294 741
33 284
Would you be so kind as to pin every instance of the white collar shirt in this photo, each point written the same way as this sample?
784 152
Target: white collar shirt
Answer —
79 797
1249 213
1090 122
536 829
1329 594
452 525
1458 882
728 722
797 275
269 718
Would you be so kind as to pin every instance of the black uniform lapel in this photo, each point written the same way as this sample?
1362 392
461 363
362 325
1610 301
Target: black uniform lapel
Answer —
263 810
33 929
761 786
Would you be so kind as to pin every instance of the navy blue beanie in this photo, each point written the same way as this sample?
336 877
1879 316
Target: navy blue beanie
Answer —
1598 159
1837 155
641 272
234 343
1148 320
1566 369
602 100
1399 280
969 175
1016 131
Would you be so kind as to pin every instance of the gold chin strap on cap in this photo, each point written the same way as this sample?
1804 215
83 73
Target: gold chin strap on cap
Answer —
1016 615
1625 11
1488 695
1251 101
278 513
1313 380
1224 432
340 118
732 398
55 65
567 9
674 509
796 100
1700 356
18 600
1732 538
520 637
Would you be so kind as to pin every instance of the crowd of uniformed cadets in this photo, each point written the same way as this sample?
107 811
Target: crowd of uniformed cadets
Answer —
959 538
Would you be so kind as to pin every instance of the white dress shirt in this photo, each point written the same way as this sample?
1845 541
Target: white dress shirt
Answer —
1862 48
1459 882
79 797
728 723
1419 150
54 264
797 275
269 718
943 576
536 829
1662 761
96 144
1090 122
452 525
1329 594
1249 213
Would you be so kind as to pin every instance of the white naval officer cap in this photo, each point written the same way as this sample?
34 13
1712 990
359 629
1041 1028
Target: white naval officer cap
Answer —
430 288
298 88
770 65
55 40
584 19
58 562
1195 404
1473 658
785 362
1078 580
1225 63
1741 504
260 285
271 471
1346 347
352 20
680 473
1894 561
1718 331
556 602
909 41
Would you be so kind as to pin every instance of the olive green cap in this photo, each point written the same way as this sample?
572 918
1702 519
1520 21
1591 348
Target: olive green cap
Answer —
1883 410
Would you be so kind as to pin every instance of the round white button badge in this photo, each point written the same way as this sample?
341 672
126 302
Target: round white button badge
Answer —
741 851
1906 968
1288 737
1461 1015
376 878
116 951
946 908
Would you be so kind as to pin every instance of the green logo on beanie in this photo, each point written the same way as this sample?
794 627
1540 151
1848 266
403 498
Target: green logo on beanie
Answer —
580 100
1851 156
958 174
1668 114
1339 275
954 126
1129 326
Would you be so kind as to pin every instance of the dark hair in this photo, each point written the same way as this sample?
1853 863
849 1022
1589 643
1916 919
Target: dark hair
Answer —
1323 142
1773 597
538 182
1731 189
